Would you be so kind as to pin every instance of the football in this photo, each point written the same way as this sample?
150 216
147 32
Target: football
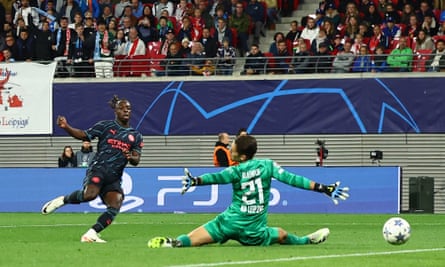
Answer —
396 231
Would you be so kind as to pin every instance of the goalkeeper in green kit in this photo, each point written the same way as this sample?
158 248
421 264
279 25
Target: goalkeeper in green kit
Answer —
245 220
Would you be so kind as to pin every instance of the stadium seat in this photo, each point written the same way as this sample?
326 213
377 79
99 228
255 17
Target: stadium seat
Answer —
420 59
153 48
139 66
121 66
155 62
270 63
234 37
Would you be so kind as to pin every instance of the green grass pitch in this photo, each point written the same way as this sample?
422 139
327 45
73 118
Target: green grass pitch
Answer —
31 239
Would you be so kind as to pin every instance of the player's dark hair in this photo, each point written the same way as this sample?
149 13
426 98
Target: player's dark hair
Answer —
115 100
246 145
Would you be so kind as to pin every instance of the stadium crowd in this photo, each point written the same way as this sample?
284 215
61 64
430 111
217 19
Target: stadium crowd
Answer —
106 38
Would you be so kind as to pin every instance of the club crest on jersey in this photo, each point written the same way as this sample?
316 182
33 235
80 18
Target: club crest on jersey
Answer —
131 138
112 131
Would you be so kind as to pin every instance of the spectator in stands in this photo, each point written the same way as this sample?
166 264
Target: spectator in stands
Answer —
372 15
221 152
147 13
186 30
365 31
120 43
278 37
400 59
310 32
362 63
89 28
61 45
337 44
272 13
391 29
223 31
393 13
378 63
255 62
352 27
78 19
332 15
378 39
357 44
210 43
7 56
67 159
137 8
412 29
240 21
281 59
381 6
294 32
29 15
437 60
208 19
185 47
107 14
425 10
173 63
69 9
226 58
84 157
43 40
423 42
103 51
119 8
161 5
220 13
146 31
81 54
163 27
135 46
112 26
198 24
224 4
11 45
321 38
429 24
343 60
319 17
128 20
181 10
301 60
322 60
331 32
256 12
441 30
407 12
196 61
169 39
351 11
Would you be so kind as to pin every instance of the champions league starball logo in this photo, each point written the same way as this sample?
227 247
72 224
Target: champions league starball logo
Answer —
129 203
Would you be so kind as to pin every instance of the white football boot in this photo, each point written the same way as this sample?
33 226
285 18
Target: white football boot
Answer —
91 237
52 205
319 236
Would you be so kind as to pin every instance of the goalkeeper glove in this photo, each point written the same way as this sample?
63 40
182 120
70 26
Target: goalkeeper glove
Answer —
333 191
188 180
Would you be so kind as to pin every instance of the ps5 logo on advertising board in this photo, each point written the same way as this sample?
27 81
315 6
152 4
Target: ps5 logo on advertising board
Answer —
214 192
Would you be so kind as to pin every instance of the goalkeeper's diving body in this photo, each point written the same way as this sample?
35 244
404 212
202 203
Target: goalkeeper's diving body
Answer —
245 220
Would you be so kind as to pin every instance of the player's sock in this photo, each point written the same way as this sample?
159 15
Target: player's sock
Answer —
184 241
296 240
75 197
105 219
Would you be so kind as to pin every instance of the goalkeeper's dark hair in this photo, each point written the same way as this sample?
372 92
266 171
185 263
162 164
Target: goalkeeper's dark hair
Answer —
115 101
246 145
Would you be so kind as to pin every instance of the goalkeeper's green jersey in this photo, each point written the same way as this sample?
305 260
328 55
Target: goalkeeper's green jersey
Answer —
251 183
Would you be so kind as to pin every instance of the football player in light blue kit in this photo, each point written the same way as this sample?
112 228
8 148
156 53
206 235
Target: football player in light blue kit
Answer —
245 220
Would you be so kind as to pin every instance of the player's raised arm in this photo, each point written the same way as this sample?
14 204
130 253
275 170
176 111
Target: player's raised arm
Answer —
74 132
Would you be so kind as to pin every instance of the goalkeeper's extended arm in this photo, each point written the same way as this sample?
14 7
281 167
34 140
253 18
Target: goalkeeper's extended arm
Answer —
188 180
334 191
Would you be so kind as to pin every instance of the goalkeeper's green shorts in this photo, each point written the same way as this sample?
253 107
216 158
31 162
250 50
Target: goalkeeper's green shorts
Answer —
221 230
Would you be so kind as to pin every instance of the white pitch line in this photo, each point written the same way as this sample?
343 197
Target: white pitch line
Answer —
312 257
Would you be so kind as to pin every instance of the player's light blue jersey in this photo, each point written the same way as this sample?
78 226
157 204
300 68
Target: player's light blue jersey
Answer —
113 140
251 183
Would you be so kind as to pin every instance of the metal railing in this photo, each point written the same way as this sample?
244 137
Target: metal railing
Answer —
142 66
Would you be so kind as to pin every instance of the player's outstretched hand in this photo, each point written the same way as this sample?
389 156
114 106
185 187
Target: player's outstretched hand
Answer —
187 181
335 192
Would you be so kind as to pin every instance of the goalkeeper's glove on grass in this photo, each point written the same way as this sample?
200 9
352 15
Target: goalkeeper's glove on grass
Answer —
188 180
334 191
